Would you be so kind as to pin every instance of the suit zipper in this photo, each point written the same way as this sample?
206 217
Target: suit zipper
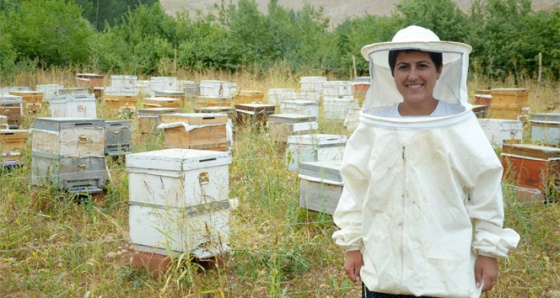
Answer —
404 197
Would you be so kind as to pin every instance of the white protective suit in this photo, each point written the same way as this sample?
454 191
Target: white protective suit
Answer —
422 196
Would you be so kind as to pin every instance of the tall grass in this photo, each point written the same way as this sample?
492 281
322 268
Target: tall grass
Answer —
54 245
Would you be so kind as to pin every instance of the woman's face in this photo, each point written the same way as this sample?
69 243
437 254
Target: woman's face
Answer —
415 76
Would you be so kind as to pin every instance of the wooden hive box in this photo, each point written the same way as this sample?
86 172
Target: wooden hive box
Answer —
314 147
480 111
118 137
483 99
178 95
195 131
531 166
120 104
179 201
74 106
148 119
545 129
205 102
509 98
500 131
230 111
32 100
68 153
12 143
90 80
280 126
320 185
249 96
161 102
74 91
4 122
11 106
253 112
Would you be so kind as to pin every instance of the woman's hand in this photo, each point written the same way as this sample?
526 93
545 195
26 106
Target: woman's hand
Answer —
353 264
486 269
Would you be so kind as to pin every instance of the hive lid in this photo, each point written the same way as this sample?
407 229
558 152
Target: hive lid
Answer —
177 160
322 170
531 151
291 118
317 139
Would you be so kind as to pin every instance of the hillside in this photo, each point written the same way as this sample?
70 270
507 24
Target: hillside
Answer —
336 10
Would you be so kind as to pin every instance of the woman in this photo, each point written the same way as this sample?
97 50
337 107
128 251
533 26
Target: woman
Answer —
421 212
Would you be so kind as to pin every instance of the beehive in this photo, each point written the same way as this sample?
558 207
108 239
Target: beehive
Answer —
118 137
277 95
509 103
12 143
249 96
32 100
303 107
148 119
337 108
195 131
74 106
179 201
120 104
161 102
68 153
337 89
253 113
531 166
90 80
314 147
545 129
500 131
280 126
320 185
49 90
11 106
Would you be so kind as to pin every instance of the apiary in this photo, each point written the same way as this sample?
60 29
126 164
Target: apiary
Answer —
314 147
531 166
164 84
120 104
249 96
32 100
121 83
12 143
74 91
337 108
195 131
179 201
190 89
253 112
304 107
68 153
118 137
280 126
74 106
11 106
509 103
148 119
500 131
545 129
161 102
320 185
179 96
352 119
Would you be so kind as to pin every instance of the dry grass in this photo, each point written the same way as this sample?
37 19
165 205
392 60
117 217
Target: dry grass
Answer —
52 246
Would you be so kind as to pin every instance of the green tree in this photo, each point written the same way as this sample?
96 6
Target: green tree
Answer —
52 32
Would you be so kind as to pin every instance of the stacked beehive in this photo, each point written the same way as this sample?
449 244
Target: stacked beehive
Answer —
11 106
68 154
281 126
12 144
202 131
179 201
32 100
338 99
320 185
314 147
118 137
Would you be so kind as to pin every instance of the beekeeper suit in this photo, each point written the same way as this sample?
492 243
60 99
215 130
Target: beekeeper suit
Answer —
422 195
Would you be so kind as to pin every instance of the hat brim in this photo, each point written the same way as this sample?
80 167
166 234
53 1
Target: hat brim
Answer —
428 46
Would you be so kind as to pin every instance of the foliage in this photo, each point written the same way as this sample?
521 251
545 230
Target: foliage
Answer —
51 31
137 36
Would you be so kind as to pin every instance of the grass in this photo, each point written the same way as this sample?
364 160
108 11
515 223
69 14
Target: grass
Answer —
53 245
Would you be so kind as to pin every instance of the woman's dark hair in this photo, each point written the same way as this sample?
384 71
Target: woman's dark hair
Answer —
437 58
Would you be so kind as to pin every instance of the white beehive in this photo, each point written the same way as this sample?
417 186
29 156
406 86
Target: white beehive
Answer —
75 106
179 200
337 89
217 89
49 90
303 107
314 147
337 108
320 185
280 126
500 131
545 128
277 95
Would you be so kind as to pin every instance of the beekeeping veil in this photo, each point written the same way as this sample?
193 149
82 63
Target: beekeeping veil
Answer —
451 86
